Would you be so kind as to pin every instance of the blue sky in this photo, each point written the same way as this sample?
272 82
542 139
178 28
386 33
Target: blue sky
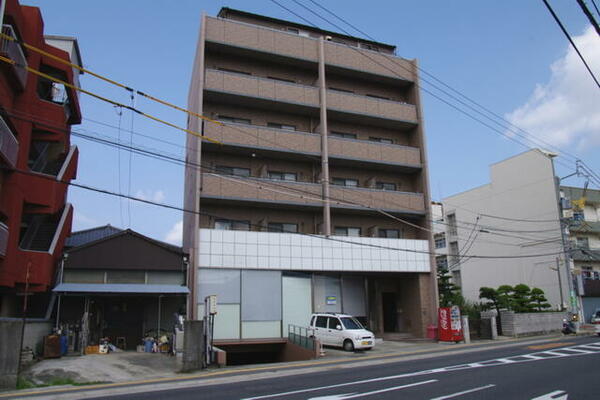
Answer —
509 56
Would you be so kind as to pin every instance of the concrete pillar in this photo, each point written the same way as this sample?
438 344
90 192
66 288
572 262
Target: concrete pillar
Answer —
193 346
466 331
494 328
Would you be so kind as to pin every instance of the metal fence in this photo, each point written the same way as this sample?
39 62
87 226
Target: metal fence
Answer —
301 336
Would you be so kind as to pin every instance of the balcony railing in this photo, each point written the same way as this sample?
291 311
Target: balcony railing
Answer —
9 146
3 239
13 50
273 139
261 190
307 96
275 41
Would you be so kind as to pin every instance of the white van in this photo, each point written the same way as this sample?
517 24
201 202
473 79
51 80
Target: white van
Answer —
341 330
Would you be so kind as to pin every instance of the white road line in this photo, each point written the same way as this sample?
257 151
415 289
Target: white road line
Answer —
506 360
355 395
591 346
553 396
555 353
532 357
477 389
578 350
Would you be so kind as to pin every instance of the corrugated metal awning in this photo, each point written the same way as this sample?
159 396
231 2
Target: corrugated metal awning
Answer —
123 288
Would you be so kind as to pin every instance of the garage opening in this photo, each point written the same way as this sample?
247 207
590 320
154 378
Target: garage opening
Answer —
263 351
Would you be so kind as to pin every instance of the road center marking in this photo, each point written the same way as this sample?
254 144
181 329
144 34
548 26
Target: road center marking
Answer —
556 395
477 389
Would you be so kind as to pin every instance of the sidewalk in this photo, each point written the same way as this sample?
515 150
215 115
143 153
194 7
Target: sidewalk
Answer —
384 352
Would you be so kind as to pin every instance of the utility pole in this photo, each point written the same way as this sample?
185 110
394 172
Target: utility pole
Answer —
562 299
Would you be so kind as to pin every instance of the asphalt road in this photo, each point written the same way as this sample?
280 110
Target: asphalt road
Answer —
568 369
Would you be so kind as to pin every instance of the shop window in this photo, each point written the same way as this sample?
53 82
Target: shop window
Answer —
236 171
385 186
347 231
232 225
345 182
282 227
390 233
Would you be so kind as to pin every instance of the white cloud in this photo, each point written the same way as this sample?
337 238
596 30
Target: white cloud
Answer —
565 111
175 235
157 196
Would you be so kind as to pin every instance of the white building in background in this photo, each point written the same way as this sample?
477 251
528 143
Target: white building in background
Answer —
514 218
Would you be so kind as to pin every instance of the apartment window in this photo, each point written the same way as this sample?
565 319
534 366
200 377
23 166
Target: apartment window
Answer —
232 225
282 227
390 233
452 230
441 262
277 125
340 89
381 140
345 182
227 118
234 71
222 169
578 216
52 91
344 135
453 253
376 96
347 231
440 241
385 186
283 176
276 78
583 243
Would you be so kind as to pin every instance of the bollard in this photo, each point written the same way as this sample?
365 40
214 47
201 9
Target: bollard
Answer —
465 328
494 328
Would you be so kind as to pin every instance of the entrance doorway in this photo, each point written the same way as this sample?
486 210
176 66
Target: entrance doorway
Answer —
390 319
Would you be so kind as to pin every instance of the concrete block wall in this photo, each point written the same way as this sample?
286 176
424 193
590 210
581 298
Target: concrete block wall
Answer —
10 338
524 324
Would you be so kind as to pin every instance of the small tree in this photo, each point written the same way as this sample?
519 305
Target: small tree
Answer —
490 294
448 292
521 299
505 295
538 299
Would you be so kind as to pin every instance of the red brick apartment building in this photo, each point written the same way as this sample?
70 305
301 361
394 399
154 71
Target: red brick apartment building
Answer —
36 158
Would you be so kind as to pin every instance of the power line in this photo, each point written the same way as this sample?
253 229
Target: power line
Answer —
511 127
150 202
589 15
571 41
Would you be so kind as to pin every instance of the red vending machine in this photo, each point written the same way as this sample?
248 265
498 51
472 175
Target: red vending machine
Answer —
449 324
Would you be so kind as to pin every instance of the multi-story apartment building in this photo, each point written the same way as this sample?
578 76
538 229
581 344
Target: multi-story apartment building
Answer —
316 197
36 157
584 240
516 220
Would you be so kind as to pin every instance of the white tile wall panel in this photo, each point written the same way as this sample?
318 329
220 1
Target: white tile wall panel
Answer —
287 251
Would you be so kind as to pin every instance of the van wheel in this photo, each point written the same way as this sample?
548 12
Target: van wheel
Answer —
348 345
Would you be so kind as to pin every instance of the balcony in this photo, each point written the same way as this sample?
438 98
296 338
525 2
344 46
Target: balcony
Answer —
262 39
269 91
289 251
45 188
291 96
294 142
277 42
3 239
11 49
304 194
9 146
584 227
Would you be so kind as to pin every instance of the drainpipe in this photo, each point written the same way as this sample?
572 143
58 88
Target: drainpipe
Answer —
324 150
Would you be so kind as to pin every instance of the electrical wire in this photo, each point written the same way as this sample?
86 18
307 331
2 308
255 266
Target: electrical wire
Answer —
107 100
589 15
177 208
564 30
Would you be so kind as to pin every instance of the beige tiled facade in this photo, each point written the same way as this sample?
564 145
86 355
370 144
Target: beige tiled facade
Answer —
260 78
